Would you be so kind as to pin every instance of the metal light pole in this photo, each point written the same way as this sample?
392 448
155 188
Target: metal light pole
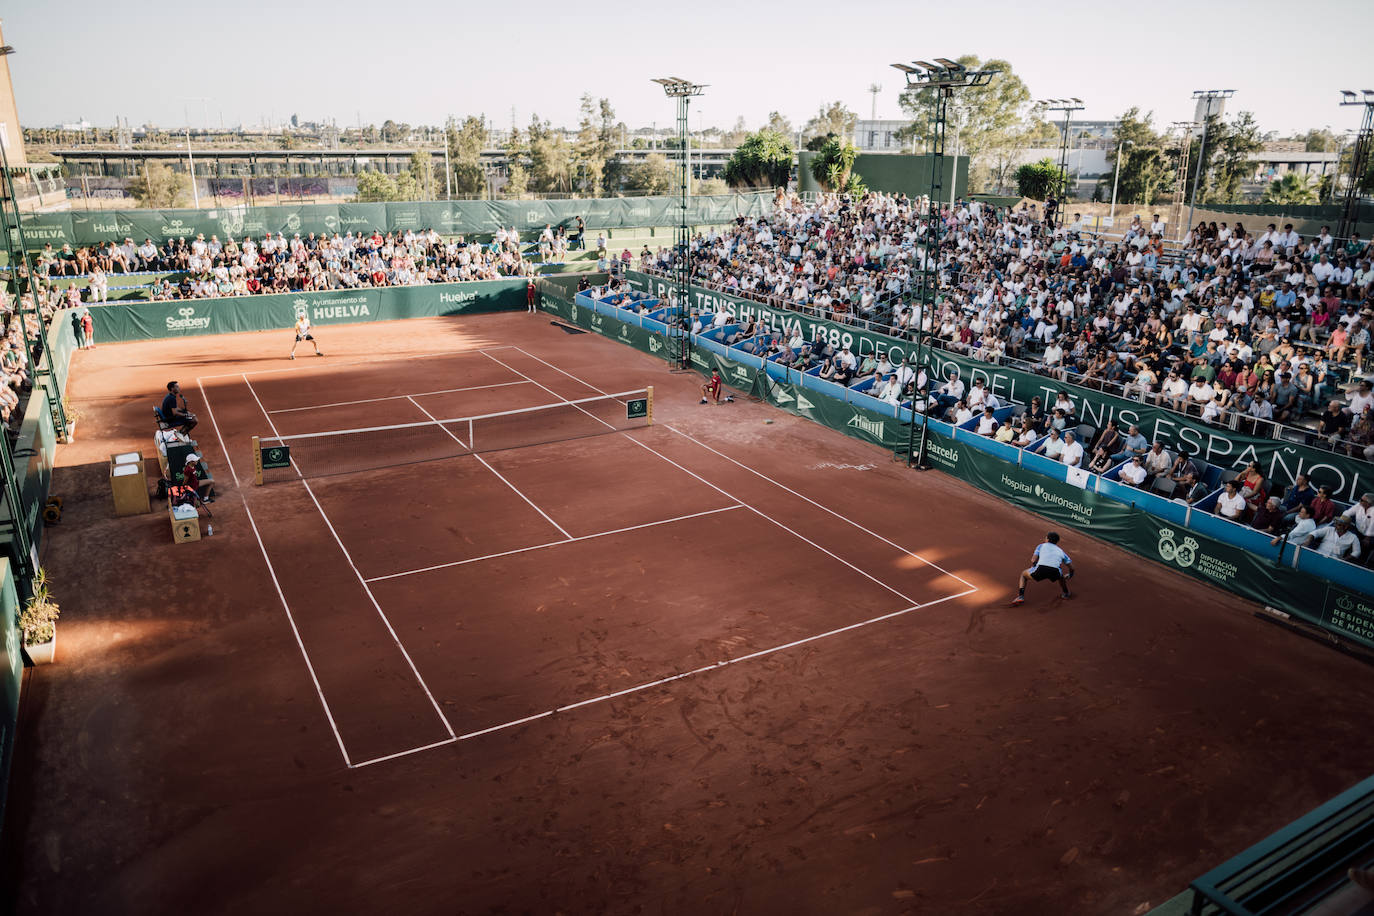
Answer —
1359 158
941 77
1209 96
1068 106
684 91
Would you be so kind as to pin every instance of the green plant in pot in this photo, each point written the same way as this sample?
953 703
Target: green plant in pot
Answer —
38 621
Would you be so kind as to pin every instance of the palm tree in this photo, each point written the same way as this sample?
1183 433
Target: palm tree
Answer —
1293 189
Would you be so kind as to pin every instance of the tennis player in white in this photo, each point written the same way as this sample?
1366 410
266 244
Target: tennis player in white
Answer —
1048 562
303 333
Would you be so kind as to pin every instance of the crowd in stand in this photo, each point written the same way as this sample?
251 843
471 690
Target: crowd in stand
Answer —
15 381
275 264
1233 328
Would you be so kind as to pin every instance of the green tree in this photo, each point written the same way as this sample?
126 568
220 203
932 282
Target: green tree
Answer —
1320 141
1292 189
779 124
517 176
422 171
595 146
735 135
287 140
1146 166
161 188
983 117
1037 179
833 120
833 166
1233 143
550 158
375 187
655 175
465 144
764 160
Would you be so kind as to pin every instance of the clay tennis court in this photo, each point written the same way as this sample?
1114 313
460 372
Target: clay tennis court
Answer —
712 665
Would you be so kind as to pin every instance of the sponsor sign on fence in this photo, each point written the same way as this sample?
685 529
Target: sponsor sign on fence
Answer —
1279 460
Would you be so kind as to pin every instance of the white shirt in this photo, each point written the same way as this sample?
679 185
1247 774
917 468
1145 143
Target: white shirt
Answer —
1332 544
1133 473
987 425
1072 454
1232 507
1054 448
1362 519
1051 555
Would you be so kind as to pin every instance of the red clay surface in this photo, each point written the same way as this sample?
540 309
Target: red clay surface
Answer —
961 757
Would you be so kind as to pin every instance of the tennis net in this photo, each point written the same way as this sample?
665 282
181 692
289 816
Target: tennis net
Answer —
349 451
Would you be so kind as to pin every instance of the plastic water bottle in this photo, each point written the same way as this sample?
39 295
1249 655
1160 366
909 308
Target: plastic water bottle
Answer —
209 531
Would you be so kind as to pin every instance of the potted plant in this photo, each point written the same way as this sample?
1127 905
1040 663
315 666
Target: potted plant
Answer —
38 622
73 414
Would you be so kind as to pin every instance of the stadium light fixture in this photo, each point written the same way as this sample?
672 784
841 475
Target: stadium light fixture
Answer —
944 77
675 87
1359 156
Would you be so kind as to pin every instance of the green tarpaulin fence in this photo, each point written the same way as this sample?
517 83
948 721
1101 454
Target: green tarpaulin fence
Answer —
1280 460
192 317
479 217
1231 568
1224 565
11 671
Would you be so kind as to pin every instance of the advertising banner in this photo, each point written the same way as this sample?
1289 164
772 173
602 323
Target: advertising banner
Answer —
191 317
1279 460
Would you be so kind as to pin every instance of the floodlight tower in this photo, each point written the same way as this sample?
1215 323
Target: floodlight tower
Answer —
684 91
941 78
1068 107
1208 99
1359 158
1185 144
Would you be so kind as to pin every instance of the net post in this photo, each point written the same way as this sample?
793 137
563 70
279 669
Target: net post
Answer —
257 461
649 394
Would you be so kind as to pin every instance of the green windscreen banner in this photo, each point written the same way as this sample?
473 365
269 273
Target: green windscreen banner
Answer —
454 217
1252 577
1280 460
192 317
11 673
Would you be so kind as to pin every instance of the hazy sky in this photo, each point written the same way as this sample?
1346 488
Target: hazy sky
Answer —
420 60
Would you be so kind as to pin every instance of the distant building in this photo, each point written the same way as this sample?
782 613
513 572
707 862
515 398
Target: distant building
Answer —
879 136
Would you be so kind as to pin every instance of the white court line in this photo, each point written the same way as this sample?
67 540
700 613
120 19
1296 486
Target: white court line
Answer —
561 530
724 663
396 397
746 467
330 525
407 753
726 493
766 517
328 714
304 365
585 537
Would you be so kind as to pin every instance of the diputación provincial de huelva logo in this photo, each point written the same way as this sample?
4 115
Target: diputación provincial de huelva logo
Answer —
1184 554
